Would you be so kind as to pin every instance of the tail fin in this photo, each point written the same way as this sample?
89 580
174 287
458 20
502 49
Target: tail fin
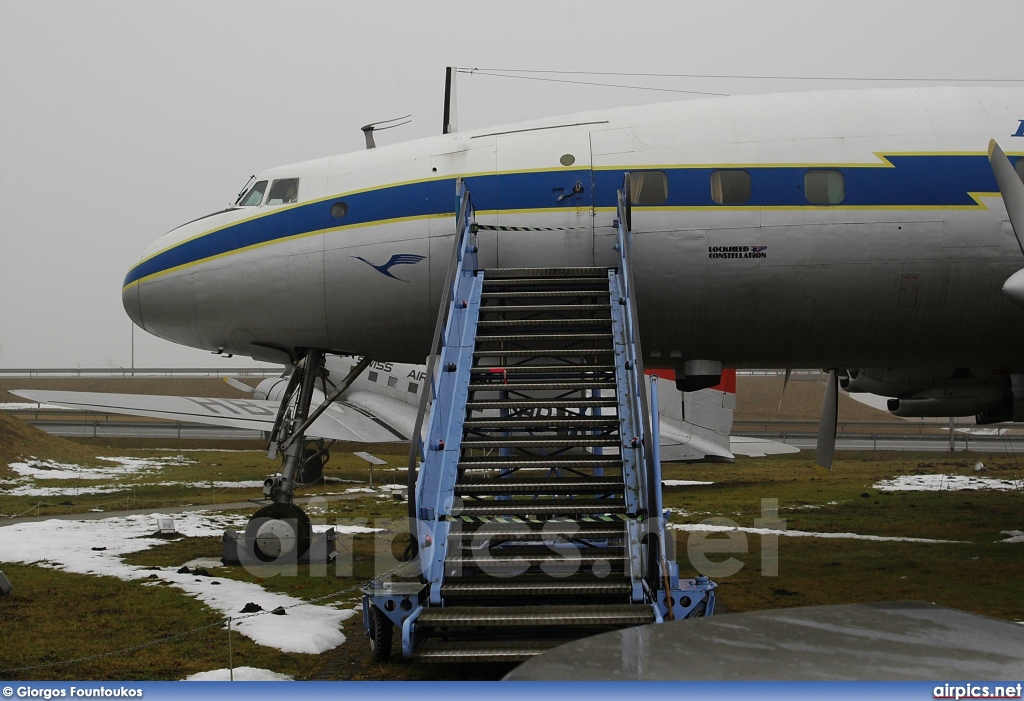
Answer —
696 425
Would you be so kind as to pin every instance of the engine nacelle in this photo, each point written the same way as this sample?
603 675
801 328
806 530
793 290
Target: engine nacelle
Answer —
272 389
936 407
893 382
971 397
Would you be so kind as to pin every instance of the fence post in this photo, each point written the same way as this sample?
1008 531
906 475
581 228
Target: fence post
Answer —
231 658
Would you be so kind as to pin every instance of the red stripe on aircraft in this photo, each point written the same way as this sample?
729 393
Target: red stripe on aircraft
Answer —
728 383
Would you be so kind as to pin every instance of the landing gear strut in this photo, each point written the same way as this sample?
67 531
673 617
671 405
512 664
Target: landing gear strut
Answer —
282 530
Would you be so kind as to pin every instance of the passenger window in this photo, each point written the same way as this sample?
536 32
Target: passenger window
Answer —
372 376
824 186
284 191
413 388
648 188
255 195
392 382
730 186
1019 167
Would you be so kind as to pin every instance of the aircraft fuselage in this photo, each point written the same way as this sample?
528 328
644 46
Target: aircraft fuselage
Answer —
834 229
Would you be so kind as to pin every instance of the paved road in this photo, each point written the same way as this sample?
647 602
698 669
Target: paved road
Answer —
153 429
993 444
227 506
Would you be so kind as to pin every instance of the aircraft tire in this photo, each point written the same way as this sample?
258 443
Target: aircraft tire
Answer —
285 524
381 635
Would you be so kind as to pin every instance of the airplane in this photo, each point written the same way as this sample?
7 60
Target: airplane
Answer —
379 406
376 402
873 233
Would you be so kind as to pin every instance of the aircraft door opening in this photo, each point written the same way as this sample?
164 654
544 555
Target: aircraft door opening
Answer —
545 198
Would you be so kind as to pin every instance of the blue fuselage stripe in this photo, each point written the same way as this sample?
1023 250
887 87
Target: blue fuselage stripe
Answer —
911 181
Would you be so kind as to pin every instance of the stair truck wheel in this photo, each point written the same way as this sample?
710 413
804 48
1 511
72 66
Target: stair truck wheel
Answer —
381 634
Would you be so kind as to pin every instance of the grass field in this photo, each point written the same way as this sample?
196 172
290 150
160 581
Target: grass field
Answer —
977 573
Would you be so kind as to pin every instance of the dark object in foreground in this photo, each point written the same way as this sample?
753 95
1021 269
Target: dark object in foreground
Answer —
904 640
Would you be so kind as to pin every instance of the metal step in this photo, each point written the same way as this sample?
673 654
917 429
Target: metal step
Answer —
538 281
506 562
543 294
524 507
535 308
541 463
513 403
603 352
482 651
560 442
579 485
513 423
554 337
570 530
539 588
542 369
498 385
501 273
618 615
521 323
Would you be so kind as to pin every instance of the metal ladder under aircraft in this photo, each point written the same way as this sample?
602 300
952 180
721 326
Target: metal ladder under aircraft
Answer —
533 503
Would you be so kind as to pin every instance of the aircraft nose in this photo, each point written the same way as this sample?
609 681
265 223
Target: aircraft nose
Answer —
130 300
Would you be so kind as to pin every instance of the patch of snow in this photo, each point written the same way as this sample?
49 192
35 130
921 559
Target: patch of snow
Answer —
204 562
716 528
355 490
1015 537
684 483
947 483
804 507
241 674
339 528
243 484
52 470
68 545
27 491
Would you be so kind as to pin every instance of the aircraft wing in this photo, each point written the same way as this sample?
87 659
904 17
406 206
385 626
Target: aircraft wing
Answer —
758 447
370 417
696 426
361 422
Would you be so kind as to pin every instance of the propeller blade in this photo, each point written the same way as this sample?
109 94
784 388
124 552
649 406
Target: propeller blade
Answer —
1011 187
827 426
785 383
1012 190
238 384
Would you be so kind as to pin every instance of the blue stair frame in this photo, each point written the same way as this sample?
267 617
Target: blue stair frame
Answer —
536 468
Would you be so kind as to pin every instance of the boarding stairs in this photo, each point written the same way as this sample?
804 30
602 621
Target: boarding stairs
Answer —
539 474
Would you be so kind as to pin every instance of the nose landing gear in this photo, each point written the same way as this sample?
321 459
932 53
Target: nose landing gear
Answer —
279 532
282 530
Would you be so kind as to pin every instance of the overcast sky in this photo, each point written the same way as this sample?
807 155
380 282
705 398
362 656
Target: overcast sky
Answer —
120 120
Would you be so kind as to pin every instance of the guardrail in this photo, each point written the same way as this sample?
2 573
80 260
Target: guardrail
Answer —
141 372
861 428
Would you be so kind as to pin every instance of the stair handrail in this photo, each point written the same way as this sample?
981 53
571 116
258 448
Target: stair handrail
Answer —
652 483
463 257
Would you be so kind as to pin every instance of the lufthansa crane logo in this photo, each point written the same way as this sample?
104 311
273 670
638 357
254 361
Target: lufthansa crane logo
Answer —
397 259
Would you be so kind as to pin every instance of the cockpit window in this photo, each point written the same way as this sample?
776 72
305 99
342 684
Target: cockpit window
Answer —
255 195
284 191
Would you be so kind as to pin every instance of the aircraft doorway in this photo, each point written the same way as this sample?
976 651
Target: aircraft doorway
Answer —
548 211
